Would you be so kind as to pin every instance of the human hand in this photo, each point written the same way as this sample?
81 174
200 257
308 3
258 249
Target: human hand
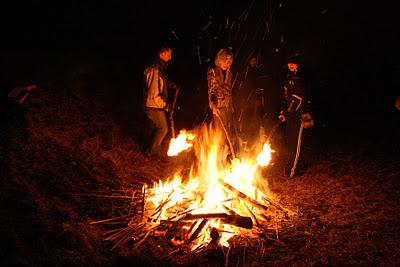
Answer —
214 110
167 108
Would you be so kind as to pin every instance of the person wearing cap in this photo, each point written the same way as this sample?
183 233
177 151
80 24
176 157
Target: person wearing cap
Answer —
155 98
219 79
294 105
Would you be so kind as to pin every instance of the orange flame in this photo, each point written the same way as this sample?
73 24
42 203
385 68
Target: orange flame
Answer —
264 157
182 142
203 192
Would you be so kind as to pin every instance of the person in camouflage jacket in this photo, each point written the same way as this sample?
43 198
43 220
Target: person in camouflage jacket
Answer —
219 79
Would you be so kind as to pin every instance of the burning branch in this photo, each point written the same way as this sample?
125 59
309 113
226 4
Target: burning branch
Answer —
198 230
236 220
243 196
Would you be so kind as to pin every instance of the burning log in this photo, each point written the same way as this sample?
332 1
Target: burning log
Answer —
230 212
252 215
190 217
243 196
236 220
239 221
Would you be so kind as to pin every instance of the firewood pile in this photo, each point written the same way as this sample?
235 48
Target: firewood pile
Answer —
187 229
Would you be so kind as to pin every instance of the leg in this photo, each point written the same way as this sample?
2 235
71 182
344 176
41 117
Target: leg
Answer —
294 132
160 123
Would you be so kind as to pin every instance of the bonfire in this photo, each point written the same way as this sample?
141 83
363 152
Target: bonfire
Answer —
219 198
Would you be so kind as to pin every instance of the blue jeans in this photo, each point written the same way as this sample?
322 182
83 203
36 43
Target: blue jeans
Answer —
159 120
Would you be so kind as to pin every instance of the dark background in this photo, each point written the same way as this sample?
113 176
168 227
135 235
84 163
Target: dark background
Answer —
60 143
350 52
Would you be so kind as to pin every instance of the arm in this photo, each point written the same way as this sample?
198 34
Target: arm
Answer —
153 86
172 85
212 88
297 97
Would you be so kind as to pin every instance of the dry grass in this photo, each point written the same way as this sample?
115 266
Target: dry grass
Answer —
346 206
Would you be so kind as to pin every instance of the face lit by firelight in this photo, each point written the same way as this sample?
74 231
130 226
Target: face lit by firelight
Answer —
166 55
226 64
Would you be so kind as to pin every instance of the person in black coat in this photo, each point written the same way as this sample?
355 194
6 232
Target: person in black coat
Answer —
295 114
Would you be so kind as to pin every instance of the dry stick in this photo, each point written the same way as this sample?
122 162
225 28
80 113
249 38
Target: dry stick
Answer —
190 231
122 236
276 229
143 202
231 212
198 230
107 233
180 215
94 195
137 245
227 135
107 220
190 217
227 256
122 231
172 252
130 205
243 196
171 118
161 206
274 204
252 215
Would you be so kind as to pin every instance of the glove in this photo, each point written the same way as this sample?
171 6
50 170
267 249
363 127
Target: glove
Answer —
281 118
214 109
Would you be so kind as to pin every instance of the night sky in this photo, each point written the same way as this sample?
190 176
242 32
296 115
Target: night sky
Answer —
350 49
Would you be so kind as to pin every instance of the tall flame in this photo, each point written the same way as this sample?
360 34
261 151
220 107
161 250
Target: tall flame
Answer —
203 191
264 157
180 143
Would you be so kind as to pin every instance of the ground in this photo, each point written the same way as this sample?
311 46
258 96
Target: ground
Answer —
66 153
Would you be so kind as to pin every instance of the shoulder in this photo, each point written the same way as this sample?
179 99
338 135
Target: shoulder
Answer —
151 69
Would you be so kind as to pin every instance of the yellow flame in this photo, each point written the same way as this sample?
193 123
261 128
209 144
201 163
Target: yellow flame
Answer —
264 157
180 143
202 192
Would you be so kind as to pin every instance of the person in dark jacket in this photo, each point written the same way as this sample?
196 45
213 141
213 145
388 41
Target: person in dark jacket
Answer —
250 100
293 110
155 98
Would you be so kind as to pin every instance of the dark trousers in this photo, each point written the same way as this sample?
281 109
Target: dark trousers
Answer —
159 120
293 138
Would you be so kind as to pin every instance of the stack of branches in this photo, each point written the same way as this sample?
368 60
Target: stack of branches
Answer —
184 228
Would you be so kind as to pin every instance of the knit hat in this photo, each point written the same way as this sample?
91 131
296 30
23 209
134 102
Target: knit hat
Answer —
295 57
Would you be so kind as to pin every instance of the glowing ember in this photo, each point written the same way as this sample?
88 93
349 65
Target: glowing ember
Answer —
182 142
219 199
264 157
